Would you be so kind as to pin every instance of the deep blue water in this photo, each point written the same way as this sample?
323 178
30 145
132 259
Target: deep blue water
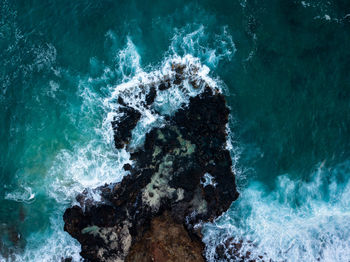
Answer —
283 66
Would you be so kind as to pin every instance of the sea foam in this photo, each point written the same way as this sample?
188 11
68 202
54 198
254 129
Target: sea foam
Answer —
298 221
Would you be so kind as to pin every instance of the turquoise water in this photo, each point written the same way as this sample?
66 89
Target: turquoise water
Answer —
283 65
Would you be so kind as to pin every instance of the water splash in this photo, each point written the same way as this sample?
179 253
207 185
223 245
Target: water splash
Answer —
21 195
298 221
46 246
186 41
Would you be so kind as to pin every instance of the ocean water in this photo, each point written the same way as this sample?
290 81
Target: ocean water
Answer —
283 66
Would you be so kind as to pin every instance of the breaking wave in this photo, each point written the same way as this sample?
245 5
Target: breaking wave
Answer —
298 221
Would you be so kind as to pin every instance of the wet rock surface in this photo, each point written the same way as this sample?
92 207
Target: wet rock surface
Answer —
180 177
123 125
232 250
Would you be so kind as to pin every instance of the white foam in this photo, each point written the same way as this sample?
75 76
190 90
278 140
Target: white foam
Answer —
327 17
87 166
129 60
299 221
167 101
23 194
54 86
305 4
208 180
93 161
195 42
187 47
50 246
45 57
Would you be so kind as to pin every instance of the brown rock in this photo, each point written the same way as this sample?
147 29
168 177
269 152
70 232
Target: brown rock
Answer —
166 241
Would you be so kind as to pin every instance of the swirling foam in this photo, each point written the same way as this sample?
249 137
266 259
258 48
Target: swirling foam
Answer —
299 221
21 195
167 101
46 246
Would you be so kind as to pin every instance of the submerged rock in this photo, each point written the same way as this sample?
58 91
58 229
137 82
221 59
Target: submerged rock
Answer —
155 212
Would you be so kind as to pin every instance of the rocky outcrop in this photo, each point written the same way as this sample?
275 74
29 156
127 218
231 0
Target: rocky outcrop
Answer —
182 176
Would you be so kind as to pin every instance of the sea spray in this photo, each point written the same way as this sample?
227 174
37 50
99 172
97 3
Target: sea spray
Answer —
299 220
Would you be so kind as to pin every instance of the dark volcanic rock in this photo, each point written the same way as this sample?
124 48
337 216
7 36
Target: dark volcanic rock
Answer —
231 250
124 124
151 95
180 177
